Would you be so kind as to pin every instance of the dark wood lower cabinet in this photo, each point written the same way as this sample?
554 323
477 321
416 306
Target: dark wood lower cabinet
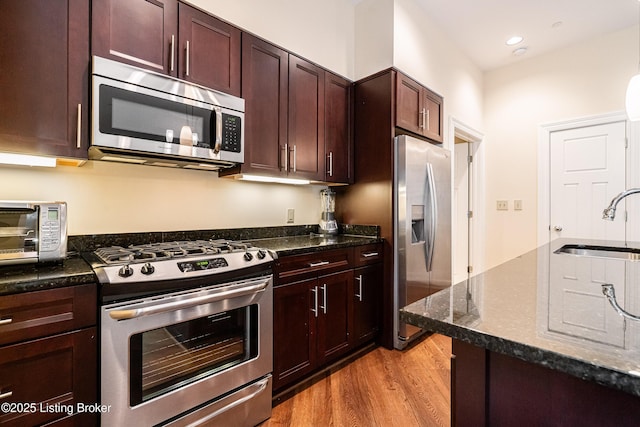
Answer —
323 309
365 295
48 378
293 339
491 389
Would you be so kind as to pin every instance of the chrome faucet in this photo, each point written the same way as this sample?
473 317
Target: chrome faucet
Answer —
610 212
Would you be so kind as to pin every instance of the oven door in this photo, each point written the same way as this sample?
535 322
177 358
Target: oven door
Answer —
163 357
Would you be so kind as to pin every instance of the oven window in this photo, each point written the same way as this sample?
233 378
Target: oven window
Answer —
167 358
129 113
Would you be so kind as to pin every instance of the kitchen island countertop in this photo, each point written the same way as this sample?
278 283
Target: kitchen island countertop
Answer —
523 309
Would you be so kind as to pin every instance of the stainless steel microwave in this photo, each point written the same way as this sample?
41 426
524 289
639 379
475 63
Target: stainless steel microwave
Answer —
32 232
139 116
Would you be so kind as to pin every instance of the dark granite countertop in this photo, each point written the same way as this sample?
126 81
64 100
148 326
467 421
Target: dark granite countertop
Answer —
293 245
547 308
35 277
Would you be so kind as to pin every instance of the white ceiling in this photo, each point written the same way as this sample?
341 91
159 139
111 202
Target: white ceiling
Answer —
481 27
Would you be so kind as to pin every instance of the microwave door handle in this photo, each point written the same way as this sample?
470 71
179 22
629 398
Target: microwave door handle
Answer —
218 143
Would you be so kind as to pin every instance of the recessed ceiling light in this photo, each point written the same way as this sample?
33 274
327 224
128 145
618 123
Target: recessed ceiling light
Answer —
514 40
520 51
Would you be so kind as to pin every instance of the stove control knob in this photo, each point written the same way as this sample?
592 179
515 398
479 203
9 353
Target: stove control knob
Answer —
125 271
248 256
262 253
147 269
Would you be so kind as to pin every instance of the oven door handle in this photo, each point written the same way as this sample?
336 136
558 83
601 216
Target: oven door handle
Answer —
187 303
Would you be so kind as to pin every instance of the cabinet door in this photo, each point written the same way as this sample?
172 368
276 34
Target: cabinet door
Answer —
409 104
139 32
294 349
367 287
338 136
44 77
264 89
61 369
334 320
433 107
209 50
306 120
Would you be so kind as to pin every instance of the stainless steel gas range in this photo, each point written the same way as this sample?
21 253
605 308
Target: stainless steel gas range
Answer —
186 333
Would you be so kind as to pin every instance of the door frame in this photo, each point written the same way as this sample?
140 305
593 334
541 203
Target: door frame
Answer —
477 189
544 158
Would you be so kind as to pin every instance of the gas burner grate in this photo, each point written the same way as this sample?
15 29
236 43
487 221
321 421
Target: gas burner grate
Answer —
165 250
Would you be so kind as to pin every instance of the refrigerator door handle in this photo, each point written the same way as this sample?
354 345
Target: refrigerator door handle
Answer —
432 216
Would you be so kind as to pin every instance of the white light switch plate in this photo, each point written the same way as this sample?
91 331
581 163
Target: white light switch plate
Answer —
290 215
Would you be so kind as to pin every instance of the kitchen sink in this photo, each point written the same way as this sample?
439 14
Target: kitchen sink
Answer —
630 254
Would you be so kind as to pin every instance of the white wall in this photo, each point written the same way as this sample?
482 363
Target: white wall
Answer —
421 49
106 197
321 31
582 80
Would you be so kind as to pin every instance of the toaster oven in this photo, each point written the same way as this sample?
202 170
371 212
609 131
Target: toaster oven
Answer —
32 232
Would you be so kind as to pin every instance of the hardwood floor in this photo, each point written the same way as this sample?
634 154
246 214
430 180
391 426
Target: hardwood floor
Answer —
382 388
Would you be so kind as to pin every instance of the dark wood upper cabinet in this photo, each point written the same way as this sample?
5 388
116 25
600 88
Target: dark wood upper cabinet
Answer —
265 92
338 129
209 50
418 109
170 38
44 77
306 120
409 104
138 32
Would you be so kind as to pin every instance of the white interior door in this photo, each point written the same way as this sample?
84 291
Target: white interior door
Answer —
587 168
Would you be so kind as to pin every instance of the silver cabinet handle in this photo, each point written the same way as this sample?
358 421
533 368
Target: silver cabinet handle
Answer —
5 395
359 294
295 153
79 129
318 264
286 157
370 254
330 171
173 53
187 60
314 310
6 321
424 119
324 298
610 293
217 295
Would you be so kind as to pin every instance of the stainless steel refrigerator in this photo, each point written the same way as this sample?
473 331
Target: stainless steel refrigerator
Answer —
422 226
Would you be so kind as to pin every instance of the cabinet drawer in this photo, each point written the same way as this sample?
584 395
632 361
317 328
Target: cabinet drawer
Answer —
298 267
368 254
58 370
36 314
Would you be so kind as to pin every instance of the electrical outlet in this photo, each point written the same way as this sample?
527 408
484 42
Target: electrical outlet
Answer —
290 215
502 205
517 205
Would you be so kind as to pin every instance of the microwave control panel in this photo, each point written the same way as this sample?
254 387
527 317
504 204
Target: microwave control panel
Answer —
231 133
